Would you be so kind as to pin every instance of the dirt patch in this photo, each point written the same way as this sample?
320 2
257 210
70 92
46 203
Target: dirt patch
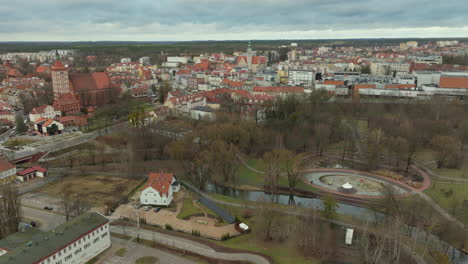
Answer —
97 190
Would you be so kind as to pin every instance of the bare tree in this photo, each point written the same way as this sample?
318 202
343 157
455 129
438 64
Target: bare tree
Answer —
9 210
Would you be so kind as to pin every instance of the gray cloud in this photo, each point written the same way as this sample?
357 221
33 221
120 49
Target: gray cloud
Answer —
113 19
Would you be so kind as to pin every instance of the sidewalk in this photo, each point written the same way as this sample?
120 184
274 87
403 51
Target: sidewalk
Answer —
189 245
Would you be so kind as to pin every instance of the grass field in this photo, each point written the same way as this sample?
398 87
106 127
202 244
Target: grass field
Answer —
452 197
97 190
13 142
251 178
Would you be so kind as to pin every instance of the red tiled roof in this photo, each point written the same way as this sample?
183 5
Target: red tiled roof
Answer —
42 69
39 110
255 59
90 81
364 86
161 182
399 86
460 82
184 72
65 99
48 122
5 165
334 82
278 89
232 83
58 66
31 169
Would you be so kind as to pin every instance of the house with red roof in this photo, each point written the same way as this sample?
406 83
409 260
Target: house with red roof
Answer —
160 189
7 172
31 173
45 111
48 127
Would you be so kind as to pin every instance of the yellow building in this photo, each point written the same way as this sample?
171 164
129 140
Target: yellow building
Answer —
7 172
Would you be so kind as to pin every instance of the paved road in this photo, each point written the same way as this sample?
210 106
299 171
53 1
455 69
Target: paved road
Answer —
48 220
190 245
60 144
136 251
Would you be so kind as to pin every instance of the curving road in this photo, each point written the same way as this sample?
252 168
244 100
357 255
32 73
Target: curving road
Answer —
189 245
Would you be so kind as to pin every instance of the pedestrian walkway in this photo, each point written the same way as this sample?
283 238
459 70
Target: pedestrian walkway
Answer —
189 245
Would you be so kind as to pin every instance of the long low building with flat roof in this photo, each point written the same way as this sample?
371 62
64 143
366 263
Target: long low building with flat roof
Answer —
74 242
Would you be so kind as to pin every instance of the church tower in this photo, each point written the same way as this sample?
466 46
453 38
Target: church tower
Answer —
60 81
249 56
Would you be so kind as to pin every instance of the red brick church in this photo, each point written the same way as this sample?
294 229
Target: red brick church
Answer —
73 91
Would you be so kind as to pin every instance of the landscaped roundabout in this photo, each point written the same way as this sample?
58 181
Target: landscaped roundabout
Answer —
356 183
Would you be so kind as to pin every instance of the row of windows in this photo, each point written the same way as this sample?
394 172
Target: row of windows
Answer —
77 251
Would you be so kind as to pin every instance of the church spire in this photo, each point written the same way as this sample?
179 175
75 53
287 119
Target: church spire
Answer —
57 56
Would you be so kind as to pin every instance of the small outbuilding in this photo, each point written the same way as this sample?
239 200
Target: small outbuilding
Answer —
31 173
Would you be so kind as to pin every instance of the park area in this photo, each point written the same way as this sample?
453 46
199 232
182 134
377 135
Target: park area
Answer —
97 190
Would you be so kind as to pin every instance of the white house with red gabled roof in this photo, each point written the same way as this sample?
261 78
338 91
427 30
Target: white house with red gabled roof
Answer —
160 189
45 111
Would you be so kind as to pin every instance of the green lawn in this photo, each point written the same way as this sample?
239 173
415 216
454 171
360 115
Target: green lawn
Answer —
249 177
449 195
280 252
188 209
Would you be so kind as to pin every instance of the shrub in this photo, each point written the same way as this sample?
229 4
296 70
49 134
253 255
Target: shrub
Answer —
225 236
168 227
195 233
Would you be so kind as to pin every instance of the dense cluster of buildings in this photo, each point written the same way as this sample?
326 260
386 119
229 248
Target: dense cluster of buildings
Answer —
248 79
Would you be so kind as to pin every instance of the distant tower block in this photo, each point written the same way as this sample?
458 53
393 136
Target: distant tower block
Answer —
293 51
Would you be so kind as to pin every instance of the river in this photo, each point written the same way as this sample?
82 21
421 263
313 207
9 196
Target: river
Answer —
457 256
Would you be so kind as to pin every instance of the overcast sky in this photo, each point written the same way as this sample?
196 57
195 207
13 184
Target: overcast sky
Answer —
162 20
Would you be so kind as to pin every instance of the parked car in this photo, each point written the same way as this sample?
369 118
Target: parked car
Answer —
157 209
147 208
48 208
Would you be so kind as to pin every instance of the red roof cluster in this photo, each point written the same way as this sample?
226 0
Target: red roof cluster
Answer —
39 110
161 182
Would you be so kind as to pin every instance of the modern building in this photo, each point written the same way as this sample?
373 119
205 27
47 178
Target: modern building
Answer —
74 242
144 60
125 60
388 68
7 172
159 189
301 77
